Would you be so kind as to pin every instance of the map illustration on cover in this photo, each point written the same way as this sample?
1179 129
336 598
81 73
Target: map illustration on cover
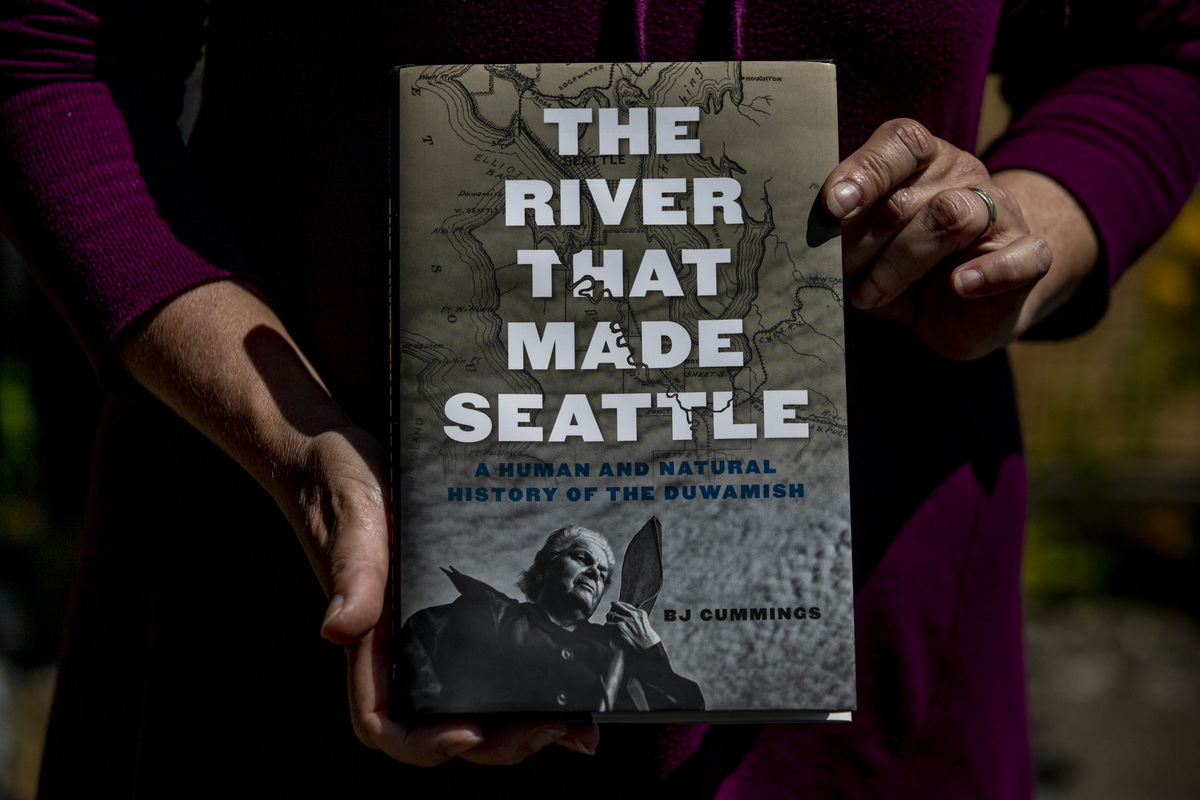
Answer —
619 408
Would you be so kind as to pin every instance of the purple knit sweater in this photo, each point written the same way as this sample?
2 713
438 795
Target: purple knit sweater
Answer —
286 184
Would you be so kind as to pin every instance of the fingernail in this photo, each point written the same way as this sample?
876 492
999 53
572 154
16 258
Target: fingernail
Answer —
967 281
463 745
843 199
571 743
545 737
335 608
866 296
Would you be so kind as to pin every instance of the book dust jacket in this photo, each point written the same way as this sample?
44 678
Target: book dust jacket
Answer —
618 383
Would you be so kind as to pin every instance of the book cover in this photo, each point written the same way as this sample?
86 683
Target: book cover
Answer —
619 432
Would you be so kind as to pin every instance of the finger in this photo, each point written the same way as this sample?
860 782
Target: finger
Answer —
581 738
430 745
994 308
1014 268
897 150
624 613
864 238
951 221
512 743
368 673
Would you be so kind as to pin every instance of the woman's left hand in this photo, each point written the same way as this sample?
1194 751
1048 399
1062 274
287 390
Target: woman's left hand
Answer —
921 244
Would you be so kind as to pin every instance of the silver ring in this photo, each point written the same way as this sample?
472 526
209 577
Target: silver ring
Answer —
991 208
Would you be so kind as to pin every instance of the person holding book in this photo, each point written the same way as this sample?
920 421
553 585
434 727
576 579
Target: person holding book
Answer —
231 298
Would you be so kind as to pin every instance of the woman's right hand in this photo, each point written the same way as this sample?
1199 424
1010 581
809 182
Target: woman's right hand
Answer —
344 521
222 360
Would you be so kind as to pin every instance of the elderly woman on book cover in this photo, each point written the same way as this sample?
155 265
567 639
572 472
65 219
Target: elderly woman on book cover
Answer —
231 295
487 651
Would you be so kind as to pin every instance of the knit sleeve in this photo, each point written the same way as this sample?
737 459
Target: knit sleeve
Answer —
1119 126
96 191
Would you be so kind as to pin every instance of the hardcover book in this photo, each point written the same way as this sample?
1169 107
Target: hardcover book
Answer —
619 405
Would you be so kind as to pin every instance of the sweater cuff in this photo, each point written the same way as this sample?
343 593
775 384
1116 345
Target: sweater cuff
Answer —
98 198
1121 140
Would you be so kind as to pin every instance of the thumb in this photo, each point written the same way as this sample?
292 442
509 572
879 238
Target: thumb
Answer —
358 572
